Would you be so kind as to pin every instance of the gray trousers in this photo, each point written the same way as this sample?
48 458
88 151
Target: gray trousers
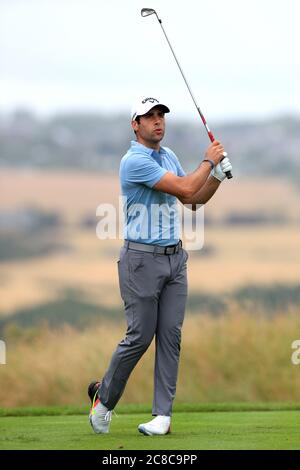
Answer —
154 291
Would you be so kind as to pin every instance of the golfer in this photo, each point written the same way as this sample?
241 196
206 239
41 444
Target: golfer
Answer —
152 264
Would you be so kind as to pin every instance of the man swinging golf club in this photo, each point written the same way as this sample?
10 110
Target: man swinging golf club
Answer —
152 264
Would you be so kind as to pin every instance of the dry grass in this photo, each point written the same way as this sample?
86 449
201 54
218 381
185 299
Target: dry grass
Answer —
247 255
235 357
242 255
75 193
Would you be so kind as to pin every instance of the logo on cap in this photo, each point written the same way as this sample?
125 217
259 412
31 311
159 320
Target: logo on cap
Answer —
151 100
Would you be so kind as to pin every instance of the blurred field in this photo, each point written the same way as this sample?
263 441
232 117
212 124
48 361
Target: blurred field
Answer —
238 255
242 355
242 256
76 193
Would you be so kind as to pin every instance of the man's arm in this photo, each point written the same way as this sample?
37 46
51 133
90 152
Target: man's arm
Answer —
186 187
211 185
204 194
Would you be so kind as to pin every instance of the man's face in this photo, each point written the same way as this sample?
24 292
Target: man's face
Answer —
151 128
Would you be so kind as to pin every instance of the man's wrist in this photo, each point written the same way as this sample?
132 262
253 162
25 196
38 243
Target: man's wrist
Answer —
210 162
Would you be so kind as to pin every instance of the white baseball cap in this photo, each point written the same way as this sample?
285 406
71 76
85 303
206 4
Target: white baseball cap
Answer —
144 104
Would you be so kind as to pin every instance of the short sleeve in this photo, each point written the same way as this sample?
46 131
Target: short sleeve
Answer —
143 169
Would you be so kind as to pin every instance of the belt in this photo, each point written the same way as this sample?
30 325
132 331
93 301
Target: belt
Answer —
162 250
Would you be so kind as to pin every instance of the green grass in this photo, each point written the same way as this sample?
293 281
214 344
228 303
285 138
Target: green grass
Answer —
199 426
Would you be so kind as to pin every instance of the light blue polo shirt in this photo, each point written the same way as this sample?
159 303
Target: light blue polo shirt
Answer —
150 216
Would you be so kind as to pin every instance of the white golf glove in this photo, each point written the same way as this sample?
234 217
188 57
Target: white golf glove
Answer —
220 169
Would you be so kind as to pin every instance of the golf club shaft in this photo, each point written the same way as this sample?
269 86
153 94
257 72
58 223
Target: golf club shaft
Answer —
209 133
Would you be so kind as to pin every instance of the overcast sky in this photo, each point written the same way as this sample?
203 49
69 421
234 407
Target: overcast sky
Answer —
241 57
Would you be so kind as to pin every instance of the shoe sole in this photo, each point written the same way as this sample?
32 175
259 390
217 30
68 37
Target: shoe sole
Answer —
144 431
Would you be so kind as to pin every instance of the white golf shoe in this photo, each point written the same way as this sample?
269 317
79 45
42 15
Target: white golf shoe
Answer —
100 416
158 426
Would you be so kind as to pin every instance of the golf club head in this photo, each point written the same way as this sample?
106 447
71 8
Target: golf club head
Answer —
147 12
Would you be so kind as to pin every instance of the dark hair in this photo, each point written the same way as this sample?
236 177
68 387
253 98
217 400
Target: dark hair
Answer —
137 119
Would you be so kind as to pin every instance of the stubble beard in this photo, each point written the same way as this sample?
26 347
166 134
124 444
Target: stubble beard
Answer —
156 139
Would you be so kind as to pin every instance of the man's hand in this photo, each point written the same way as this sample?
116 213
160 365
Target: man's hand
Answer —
221 168
215 152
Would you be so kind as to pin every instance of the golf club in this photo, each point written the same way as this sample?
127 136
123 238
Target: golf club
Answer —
150 11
